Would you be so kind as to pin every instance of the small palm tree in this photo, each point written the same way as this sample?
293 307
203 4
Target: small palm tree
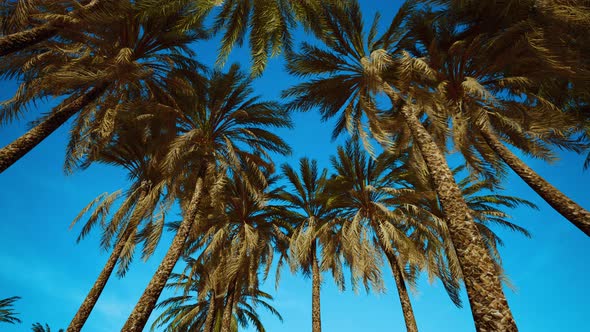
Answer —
7 314
37 327
314 241
214 129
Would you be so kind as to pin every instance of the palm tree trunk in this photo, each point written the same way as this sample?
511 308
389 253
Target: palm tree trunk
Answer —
146 304
210 314
573 212
22 145
20 40
316 280
90 301
489 307
404 297
92 297
228 310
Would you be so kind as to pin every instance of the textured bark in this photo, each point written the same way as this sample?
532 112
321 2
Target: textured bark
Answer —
90 301
22 145
488 303
228 310
210 315
146 304
404 297
573 212
316 281
20 40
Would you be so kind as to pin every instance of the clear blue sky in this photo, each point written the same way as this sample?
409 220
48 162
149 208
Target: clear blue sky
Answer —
41 262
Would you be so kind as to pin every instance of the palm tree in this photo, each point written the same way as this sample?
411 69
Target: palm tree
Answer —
7 314
20 31
214 129
37 327
313 243
373 194
137 147
268 24
478 96
349 71
101 72
190 313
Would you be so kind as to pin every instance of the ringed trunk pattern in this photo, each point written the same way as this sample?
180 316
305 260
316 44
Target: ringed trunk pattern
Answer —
404 297
489 307
85 309
20 40
210 314
146 304
92 297
22 145
228 310
316 281
573 212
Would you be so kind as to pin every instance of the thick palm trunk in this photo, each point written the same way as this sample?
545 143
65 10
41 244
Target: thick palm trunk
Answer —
210 315
316 281
573 212
22 145
92 297
146 304
488 303
20 40
228 310
404 297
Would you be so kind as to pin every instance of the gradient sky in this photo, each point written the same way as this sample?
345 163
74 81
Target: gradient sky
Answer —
41 262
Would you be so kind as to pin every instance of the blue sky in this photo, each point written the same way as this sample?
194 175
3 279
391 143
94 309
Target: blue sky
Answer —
41 262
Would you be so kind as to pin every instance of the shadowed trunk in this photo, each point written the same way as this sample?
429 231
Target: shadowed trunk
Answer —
20 40
22 145
92 297
316 281
210 314
489 307
146 304
573 212
228 310
90 301
404 297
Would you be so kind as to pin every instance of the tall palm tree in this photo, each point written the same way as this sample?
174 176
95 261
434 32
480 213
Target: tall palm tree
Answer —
37 327
218 128
347 72
478 96
137 147
100 72
313 223
267 24
7 314
20 30
373 194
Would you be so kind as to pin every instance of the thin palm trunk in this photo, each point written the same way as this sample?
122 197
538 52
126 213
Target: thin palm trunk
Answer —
20 40
146 304
573 212
228 310
210 314
22 145
316 280
404 297
489 307
85 309
92 297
